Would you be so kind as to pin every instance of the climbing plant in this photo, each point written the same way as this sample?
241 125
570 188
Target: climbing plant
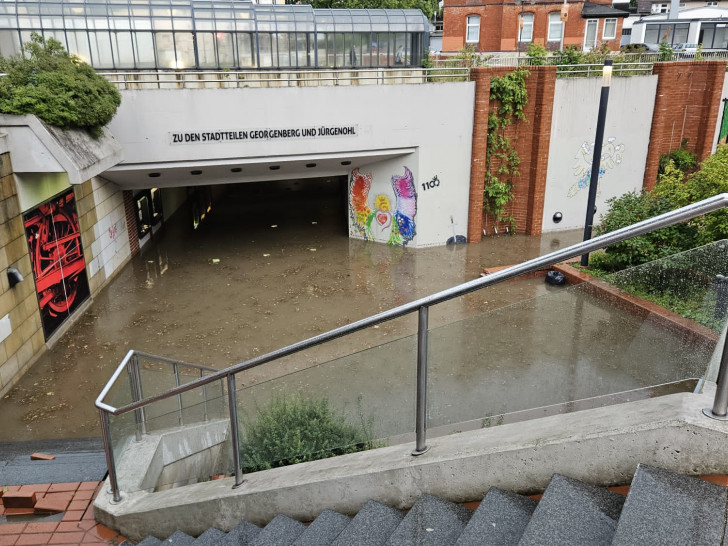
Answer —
501 158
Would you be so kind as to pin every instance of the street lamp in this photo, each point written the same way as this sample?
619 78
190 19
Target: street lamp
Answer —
596 158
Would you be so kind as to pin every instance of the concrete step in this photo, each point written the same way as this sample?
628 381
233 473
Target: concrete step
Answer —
431 521
243 534
150 541
664 508
500 519
372 526
281 531
324 529
211 537
178 538
573 513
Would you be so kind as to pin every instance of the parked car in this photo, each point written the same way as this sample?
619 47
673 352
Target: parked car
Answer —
640 48
685 48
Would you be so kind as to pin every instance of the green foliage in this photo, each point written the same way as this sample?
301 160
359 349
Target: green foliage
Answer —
537 54
674 189
467 56
501 159
570 55
57 87
665 51
699 53
683 159
295 429
635 207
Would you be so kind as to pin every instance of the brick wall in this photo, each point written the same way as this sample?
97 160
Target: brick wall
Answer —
530 138
687 105
21 334
500 25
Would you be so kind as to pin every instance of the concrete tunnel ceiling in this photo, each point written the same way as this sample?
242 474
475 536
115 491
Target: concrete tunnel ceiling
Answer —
240 170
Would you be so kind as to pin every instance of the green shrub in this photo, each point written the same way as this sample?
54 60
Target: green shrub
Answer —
682 158
631 208
57 87
666 51
537 54
295 429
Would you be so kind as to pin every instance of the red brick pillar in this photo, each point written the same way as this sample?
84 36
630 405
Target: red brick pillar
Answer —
481 77
687 106
533 144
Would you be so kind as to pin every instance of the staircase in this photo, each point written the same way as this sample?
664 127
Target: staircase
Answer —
662 507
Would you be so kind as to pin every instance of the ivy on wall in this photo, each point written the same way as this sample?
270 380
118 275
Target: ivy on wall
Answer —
501 158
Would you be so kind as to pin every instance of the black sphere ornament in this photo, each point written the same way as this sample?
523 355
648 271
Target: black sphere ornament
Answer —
557 217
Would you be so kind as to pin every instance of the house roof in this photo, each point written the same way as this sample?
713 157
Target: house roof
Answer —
592 9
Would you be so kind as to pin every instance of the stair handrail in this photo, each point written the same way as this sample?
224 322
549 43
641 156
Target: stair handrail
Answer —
420 305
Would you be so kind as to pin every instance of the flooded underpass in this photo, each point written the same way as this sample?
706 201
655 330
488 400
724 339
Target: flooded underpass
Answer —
272 265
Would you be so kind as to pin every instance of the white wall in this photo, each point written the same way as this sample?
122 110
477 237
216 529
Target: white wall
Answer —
110 247
395 126
573 129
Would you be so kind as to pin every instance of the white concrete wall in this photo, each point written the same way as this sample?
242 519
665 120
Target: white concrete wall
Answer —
395 125
110 247
573 129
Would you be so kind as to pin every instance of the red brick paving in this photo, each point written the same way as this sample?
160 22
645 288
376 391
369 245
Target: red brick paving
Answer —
77 527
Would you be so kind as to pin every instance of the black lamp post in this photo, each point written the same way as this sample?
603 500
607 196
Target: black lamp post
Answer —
596 159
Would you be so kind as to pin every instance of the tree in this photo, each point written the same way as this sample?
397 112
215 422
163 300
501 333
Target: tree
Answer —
428 7
59 88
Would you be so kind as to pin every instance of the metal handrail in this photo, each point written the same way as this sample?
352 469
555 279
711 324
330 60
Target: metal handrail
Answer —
421 306
252 77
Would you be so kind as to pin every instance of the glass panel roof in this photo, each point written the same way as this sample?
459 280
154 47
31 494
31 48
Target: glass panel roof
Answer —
183 12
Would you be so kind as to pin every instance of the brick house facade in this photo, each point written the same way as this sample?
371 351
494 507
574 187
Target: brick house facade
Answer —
491 26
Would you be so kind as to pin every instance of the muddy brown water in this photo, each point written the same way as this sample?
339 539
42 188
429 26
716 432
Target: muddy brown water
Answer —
271 265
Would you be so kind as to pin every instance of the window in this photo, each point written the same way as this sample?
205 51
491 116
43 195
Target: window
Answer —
473 29
610 29
556 27
590 36
711 3
526 34
660 8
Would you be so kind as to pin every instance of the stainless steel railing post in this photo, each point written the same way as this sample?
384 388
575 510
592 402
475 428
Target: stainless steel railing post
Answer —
421 411
175 367
233 406
109 451
140 415
719 410
204 395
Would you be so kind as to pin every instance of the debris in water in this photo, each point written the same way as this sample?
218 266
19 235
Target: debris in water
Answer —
266 255
274 225
216 260
314 223
312 249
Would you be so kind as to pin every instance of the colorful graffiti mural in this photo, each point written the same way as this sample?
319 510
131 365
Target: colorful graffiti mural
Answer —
611 157
56 255
378 222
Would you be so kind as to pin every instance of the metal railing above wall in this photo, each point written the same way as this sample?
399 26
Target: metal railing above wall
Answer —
182 79
421 307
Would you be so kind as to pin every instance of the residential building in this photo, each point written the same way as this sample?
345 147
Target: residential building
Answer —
513 26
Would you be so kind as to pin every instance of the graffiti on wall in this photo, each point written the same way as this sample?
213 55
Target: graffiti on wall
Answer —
374 220
611 157
56 256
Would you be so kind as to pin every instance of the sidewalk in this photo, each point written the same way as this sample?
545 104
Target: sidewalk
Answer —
73 522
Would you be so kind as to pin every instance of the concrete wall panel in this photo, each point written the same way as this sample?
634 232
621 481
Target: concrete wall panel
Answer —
573 129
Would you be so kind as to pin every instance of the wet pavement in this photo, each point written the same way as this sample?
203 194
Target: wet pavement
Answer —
271 265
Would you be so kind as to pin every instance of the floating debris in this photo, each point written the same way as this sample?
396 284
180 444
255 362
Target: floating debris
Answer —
312 249
266 255
216 260
274 225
